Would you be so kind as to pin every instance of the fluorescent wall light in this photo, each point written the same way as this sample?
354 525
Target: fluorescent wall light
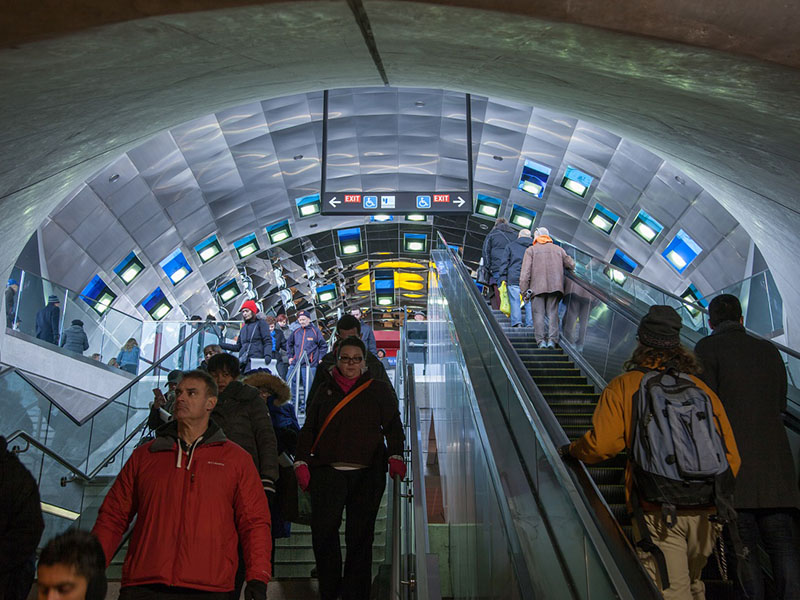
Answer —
349 240
415 242
228 291
646 227
308 206
326 293
416 218
175 266
129 268
603 219
681 251
487 206
156 304
615 275
522 217
534 178
98 295
246 245
576 181
279 232
208 249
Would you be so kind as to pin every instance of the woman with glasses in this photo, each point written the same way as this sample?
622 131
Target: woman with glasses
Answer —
342 460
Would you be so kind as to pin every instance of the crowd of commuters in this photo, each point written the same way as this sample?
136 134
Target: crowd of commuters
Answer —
205 497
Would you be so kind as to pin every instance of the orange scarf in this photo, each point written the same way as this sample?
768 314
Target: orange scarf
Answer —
543 239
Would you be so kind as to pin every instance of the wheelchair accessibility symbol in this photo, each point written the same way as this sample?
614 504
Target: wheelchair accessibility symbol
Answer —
370 202
423 201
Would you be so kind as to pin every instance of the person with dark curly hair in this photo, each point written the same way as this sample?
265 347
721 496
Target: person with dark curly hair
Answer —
72 567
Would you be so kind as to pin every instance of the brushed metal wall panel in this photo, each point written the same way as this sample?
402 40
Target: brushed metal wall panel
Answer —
80 208
113 177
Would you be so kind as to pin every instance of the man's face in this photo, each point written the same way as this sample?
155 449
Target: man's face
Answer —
247 314
209 352
343 334
61 582
303 320
356 312
222 379
281 321
192 402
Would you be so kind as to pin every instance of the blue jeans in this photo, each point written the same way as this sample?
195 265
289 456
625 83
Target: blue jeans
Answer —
516 311
776 530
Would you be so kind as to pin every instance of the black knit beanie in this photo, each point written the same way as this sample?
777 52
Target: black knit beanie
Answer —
660 328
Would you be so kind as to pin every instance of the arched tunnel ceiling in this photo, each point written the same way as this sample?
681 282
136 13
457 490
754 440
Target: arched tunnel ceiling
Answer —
71 105
247 169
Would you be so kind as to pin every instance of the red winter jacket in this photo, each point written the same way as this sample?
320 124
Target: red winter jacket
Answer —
189 507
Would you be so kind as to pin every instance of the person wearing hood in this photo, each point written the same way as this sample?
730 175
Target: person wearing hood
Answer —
196 495
48 320
254 339
276 394
542 275
510 269
245 419
494 247
74 338
21 525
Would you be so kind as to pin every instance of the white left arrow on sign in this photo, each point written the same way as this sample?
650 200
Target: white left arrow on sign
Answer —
334 202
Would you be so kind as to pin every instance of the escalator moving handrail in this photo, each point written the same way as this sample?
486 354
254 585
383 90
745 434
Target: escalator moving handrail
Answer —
619 549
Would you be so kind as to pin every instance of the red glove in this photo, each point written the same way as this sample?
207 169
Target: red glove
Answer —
303 476
397 467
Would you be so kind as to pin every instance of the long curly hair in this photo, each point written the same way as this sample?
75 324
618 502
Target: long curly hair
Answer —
130 344
681 358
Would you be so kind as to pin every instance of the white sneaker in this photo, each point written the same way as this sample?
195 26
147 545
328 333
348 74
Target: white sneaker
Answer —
551 344
542 344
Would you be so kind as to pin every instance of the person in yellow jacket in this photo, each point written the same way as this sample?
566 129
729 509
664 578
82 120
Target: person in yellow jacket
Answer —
686 545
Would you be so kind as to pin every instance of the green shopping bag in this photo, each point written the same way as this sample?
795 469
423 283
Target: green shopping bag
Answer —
505 305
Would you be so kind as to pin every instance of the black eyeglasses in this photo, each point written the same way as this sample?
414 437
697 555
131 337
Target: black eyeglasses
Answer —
351 359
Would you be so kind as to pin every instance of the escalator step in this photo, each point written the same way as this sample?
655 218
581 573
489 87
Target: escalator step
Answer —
578 409
566 370
543 380
614 494
566 388
607 476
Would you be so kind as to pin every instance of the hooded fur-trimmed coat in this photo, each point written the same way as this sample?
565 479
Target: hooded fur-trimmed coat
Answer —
284 419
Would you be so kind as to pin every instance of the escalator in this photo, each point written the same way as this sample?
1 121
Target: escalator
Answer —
528 401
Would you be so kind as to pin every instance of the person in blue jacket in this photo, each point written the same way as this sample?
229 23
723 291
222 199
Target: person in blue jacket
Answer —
309 339
254 340
367 335
128 357
48 319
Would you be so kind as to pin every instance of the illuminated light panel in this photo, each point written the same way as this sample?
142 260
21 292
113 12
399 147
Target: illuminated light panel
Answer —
575 187
179 275
58 511
279 236
308 205
487 205
227 295
676 259
130 273
601 222
416 217
246 245
531 188
384 301
326 296
309 209
603 219
416 246
246 250
350 249
523 222
382 218
645 232
534 178
522 217
208 253
488 210
161 311
615 275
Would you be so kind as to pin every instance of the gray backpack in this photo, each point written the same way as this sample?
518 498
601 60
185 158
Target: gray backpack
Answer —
678 456
677 452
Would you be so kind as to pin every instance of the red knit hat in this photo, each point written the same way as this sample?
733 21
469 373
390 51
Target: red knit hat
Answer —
250 304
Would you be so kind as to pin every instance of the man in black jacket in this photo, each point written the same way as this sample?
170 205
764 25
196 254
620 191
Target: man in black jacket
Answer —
244 417
510 269
48 319
494 246
349 326
21 526
749 376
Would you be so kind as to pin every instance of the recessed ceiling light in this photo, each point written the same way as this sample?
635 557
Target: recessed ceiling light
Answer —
497 157
113 178
680 180
419 103
297 156
313 224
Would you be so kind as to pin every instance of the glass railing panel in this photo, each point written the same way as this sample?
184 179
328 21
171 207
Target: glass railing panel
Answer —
108 427
547 535
106 328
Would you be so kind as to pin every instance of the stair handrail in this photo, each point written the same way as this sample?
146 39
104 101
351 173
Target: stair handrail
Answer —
610 541
30 440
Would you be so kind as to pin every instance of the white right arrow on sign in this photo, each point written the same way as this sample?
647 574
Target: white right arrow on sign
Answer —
460 202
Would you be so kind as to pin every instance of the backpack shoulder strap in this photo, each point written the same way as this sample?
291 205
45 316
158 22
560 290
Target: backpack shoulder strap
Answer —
342 403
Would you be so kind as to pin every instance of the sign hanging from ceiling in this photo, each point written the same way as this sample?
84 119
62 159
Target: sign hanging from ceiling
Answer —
396 203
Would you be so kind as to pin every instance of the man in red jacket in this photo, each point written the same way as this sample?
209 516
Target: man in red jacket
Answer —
195 495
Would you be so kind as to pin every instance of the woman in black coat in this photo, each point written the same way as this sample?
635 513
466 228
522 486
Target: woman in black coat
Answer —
344 465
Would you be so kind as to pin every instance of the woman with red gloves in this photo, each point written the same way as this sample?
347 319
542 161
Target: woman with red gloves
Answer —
341 459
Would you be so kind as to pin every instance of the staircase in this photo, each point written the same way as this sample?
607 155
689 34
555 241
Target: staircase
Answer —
572 398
